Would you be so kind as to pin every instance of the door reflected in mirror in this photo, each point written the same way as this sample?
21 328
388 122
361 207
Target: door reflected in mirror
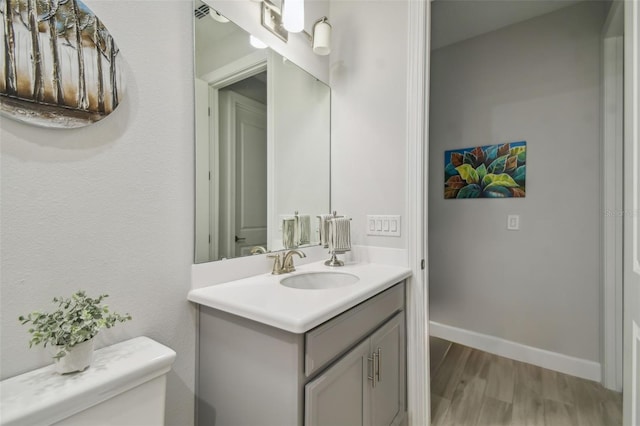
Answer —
262 145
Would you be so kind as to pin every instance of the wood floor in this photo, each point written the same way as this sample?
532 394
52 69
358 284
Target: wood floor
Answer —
472 387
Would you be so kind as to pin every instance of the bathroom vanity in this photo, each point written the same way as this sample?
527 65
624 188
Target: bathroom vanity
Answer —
334 356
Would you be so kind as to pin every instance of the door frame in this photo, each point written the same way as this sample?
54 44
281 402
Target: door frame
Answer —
631 262
205 249
233 72
612 195
418 48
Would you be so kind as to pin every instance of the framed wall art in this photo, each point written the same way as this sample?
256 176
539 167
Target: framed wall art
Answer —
61 65
489 171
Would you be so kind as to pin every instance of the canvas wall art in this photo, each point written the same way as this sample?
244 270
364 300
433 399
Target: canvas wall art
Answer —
490 171
60 64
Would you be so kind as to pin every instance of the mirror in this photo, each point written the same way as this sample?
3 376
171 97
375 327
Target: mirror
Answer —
262 145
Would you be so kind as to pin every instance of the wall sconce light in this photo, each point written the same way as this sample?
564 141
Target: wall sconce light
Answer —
321 39
272 20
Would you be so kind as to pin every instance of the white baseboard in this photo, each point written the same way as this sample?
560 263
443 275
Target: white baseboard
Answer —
573 366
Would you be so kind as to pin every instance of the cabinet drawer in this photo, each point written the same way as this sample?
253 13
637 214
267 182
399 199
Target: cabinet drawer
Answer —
329 340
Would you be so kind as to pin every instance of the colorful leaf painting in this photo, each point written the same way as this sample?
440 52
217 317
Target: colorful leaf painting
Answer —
456 159
468 173
61 65
490 171
455 182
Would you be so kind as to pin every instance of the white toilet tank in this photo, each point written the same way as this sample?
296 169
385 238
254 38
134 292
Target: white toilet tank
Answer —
125 385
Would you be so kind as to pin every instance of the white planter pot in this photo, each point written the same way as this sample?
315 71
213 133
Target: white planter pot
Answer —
77 359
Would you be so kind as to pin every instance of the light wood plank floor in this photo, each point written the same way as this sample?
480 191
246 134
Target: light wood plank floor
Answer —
475 388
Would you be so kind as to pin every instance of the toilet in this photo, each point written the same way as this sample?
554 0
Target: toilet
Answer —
125 385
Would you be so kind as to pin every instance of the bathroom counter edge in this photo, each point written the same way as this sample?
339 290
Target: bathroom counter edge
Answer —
263 299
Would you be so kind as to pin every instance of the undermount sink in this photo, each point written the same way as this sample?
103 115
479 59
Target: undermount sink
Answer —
319 280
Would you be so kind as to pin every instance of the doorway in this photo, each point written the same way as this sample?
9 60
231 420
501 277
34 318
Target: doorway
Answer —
536 78
242 181
230 117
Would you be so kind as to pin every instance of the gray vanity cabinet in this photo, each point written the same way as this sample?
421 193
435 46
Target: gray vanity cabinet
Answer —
366 386
337 397
388 396
347 371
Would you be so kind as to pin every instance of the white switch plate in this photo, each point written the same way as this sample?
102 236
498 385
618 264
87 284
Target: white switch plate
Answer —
513 222
385 225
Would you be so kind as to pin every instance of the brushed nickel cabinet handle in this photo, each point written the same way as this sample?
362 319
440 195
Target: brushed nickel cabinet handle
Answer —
379 353
374 367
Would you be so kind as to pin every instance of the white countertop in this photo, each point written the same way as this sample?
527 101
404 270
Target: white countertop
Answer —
263 299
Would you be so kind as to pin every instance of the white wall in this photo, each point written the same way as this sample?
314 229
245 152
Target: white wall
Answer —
536 81
368 113
109 208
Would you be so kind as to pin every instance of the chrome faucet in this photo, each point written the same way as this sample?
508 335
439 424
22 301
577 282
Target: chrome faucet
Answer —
287 261
258 250
284 264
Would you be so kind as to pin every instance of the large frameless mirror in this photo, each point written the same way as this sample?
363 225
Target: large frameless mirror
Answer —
262 145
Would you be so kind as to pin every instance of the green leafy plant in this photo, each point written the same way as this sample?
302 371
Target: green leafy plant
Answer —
77 319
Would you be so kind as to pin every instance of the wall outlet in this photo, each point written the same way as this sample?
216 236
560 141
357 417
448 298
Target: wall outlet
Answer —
384 225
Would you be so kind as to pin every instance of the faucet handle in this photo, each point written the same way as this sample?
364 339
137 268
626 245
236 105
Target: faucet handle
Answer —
277 264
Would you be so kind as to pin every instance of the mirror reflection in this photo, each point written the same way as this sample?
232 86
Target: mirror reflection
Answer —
262 145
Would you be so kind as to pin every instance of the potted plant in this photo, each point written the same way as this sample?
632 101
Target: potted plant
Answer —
70 329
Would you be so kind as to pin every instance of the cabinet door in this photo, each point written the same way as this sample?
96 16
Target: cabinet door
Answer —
337 397
388 394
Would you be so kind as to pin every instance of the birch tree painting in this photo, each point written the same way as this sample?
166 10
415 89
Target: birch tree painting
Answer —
60 64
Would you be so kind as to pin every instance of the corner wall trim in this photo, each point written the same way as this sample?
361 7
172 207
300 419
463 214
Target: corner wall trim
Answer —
418 36
566 364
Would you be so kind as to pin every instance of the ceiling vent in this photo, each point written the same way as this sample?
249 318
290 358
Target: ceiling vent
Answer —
201 11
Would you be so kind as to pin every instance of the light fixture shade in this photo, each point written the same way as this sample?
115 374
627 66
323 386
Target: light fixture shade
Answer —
215 15
257 43
322 38
293 15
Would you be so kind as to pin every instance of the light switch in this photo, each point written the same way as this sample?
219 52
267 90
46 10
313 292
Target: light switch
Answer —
383 225
513 222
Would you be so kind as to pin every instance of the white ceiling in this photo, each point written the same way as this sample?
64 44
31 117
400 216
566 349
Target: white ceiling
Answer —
456 20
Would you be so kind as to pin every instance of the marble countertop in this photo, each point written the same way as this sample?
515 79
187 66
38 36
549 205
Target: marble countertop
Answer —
263 299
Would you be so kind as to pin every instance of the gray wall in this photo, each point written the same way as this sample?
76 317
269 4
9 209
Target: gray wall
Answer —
536 81
109 208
